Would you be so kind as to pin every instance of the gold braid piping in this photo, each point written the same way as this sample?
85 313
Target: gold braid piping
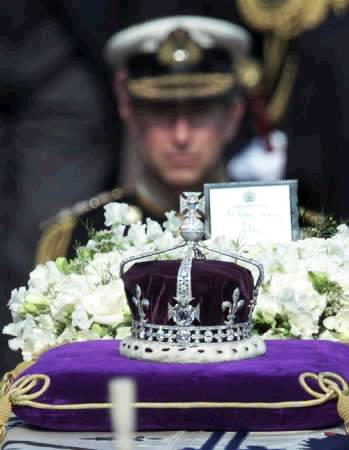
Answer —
274 54
181 86
288 18
278 104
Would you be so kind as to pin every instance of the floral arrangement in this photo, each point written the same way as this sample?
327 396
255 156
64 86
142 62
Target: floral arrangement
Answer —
305 293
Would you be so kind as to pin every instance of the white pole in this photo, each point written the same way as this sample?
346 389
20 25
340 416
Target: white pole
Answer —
122 392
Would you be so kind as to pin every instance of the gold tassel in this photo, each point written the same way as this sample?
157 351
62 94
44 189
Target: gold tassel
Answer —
343 410
5 389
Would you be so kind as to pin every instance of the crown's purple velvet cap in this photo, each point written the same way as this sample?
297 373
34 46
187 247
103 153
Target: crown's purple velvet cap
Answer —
212 283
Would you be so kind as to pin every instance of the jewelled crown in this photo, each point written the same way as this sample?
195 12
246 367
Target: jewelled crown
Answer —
195 309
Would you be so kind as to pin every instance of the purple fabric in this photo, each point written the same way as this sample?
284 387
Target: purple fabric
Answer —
80 372
212 283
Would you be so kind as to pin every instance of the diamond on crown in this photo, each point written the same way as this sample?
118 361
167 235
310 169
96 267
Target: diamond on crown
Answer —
141 304
192 335
233 307
183 313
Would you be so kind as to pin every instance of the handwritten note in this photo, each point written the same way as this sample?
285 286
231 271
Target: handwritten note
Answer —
252 213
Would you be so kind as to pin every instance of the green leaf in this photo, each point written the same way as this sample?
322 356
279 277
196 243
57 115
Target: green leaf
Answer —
62 265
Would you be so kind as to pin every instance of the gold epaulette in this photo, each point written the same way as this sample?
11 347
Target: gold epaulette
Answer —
288 18
280 21
58 231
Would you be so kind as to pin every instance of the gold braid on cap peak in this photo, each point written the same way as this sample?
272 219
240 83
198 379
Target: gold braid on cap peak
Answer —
288 18
180 86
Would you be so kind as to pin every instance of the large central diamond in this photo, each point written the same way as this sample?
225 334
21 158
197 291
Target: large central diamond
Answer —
183 315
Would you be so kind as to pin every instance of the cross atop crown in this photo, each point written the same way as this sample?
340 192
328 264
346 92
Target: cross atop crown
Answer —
192 205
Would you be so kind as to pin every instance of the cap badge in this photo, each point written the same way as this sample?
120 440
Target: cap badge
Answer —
179 48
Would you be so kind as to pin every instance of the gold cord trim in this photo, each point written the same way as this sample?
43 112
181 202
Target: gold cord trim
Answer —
274 54
288 18
332 386
6 385
181 86
278 104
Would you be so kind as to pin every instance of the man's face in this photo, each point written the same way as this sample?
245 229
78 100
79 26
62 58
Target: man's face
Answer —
182 144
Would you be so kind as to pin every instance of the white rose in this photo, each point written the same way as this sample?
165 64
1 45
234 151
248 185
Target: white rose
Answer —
102 266
72 293
296 293
107 304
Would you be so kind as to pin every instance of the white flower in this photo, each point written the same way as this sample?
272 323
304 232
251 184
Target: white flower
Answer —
80 318
154 230
173 222
303 325
16 301
329 336
167 240
29 337
123 332
343 229
339 323
116 214
72 293
106 304
44 276
59 306
118 232
268 307
136 234
103 267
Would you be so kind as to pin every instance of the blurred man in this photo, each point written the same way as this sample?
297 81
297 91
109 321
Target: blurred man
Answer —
178 92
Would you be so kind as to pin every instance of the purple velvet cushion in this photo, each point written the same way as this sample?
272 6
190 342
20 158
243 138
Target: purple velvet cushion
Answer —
80 372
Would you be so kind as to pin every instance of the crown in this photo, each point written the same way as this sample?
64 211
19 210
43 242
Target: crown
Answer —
194 309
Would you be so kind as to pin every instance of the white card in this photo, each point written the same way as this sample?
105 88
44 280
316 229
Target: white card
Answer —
252 212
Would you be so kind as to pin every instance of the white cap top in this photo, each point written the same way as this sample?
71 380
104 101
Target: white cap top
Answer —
205 31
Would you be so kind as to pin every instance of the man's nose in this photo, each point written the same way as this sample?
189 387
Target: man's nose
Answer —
182 131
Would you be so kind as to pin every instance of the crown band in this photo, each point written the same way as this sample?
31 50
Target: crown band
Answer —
192 335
